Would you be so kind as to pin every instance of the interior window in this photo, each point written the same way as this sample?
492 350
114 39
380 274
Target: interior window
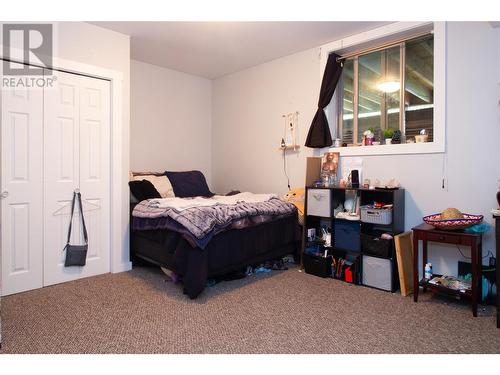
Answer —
375 84
419 87
348 100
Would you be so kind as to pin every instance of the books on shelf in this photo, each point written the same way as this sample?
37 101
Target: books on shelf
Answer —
450 282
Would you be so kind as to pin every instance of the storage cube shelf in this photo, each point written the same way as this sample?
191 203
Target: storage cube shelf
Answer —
358 241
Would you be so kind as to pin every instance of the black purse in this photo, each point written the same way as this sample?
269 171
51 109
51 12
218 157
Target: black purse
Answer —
76 255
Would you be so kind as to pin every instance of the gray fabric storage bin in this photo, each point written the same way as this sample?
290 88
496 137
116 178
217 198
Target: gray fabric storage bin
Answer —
377 272
318 202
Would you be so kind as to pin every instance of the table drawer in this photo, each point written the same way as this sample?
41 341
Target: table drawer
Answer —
470 241
445 238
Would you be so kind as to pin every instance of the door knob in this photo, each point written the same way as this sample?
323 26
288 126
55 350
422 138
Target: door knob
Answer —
4 194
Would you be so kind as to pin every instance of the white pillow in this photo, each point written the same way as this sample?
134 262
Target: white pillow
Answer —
161 183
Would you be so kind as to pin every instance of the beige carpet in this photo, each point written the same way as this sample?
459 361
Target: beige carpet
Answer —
280 312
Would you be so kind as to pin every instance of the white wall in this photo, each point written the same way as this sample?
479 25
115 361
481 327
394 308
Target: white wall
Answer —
247 127
248 124
171 116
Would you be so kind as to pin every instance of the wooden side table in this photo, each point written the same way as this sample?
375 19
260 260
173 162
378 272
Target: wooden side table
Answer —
426 233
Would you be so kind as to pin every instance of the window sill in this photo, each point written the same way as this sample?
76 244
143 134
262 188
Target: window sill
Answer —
398 149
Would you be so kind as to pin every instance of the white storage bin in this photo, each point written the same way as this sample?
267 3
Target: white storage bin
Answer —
376 215
318 202
377 272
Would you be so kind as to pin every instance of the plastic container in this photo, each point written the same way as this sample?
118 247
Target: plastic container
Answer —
428 271
376 215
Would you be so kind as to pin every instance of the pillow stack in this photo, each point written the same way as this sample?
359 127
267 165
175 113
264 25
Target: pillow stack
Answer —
150 185
160 182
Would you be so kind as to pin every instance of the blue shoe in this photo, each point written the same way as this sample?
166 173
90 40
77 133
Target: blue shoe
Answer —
262 270
211 283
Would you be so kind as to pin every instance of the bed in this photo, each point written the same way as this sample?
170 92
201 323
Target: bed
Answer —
249 233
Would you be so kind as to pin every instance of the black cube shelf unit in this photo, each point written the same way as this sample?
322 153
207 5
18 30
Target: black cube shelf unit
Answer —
355 240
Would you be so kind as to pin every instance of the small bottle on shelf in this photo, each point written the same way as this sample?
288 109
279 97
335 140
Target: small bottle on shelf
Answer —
428 271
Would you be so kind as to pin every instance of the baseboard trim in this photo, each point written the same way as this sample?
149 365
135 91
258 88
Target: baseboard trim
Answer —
122 267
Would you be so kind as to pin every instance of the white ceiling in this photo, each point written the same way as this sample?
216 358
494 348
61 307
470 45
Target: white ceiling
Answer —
214 49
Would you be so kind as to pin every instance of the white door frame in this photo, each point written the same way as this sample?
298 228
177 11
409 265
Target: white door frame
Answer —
119 197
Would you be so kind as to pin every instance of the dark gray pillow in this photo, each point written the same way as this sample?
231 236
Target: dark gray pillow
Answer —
143 190
189 184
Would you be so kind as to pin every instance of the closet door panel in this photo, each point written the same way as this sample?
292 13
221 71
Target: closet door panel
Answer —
95 168
77 125
21 180
62 169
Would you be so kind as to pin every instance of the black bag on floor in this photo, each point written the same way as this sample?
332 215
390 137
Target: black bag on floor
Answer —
76 255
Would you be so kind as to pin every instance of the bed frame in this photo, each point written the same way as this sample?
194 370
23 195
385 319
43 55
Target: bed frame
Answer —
228 251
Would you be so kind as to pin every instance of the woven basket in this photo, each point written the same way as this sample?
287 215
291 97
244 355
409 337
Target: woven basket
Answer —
453 224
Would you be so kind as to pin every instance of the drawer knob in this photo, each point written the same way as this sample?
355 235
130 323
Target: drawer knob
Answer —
441 238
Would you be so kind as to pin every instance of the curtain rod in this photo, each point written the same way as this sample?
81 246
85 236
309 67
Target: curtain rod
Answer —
383 46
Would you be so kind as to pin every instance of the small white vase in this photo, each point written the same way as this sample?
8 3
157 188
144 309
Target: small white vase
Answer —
388 141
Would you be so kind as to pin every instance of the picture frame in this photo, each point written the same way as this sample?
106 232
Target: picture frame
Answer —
330 163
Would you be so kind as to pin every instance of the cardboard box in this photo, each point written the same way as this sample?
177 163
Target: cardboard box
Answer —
313 170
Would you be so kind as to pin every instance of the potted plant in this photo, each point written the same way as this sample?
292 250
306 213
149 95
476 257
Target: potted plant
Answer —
388 133
368 137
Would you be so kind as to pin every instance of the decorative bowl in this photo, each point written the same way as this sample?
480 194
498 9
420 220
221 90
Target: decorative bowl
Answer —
453 224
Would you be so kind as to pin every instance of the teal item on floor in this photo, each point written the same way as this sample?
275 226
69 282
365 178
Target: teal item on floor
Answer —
211 282
262 270
485 289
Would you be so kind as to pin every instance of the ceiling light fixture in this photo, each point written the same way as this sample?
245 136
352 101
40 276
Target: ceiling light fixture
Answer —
389 86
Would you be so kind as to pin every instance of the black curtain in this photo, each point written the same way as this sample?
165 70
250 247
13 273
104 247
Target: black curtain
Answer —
319 132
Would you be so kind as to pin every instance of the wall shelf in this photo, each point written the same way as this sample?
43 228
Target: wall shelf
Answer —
290 148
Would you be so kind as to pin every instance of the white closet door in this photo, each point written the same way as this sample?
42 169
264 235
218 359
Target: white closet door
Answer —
21 185
77 126
95 172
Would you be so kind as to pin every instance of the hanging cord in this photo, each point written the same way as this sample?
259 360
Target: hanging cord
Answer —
284 168
286 117
444 171
460 251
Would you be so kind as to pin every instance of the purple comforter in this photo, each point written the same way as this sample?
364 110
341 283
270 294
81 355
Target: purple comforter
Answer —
200 224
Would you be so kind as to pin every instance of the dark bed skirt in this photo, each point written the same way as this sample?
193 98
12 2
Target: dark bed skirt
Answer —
228 251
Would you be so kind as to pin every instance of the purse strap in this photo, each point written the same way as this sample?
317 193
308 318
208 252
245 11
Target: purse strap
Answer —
77 197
